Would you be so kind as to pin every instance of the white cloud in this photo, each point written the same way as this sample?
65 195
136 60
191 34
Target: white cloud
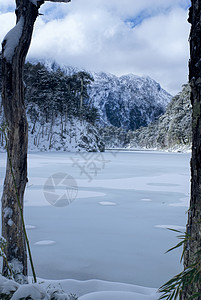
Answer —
97 35
7 5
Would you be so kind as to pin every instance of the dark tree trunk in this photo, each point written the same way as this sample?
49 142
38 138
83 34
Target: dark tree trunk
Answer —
15 116
194 215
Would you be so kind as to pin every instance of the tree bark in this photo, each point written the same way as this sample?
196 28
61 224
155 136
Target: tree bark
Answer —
15 116
194 214
13 59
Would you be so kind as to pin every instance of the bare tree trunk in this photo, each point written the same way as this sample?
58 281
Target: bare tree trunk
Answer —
194 215
15 116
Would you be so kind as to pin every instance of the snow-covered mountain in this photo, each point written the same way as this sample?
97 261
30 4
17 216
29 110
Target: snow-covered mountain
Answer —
172 131
58 120
128 101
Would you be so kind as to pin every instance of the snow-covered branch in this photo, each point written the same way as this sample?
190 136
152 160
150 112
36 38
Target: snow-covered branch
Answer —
11 40
35 1
65 1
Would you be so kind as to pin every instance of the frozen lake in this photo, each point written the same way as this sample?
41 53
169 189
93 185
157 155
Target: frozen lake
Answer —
115 229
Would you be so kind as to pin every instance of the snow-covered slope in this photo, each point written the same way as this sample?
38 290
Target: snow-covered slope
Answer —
55 117
173 129
78 136
75 135
128 101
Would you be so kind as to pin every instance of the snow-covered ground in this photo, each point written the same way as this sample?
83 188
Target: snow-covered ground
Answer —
109 242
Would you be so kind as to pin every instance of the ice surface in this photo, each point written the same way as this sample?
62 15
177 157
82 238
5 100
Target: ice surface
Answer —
116 296
114 243
39 199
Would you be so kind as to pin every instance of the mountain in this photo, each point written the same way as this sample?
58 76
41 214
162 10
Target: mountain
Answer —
127 102
172 131
66 106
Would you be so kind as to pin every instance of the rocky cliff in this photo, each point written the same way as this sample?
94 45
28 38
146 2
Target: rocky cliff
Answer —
127 102
172 131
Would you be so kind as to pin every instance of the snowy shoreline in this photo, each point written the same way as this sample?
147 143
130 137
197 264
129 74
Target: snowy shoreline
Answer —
155 150
70 289
103 290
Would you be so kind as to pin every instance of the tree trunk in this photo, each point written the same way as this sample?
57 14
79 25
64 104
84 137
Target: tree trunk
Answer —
15 116
194 214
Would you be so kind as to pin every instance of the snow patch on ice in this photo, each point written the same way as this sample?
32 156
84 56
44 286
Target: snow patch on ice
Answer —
12 39
107 203
45 243
146 200
30 227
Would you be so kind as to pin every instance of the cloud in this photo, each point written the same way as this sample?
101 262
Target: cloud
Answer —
147 37
8 5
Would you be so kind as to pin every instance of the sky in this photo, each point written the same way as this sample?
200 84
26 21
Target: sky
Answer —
143 37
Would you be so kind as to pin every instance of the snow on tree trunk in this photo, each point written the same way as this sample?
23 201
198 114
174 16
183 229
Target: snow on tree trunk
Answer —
14 50
194 214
